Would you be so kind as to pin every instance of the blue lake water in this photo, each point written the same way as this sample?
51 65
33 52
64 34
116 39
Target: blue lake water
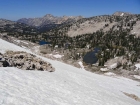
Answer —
43 42
90 57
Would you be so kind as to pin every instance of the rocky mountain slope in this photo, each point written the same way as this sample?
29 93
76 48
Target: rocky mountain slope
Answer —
97 23
48 20
5 22
24 61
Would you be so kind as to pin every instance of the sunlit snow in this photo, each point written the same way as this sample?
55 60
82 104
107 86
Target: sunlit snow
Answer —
66 86
137 66
122 14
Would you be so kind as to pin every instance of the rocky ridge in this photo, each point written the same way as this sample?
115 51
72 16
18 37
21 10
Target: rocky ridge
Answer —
25 61
48 20
5 22
120 13
100 23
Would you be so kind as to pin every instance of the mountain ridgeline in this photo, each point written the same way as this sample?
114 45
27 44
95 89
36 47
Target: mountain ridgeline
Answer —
103 22
48 21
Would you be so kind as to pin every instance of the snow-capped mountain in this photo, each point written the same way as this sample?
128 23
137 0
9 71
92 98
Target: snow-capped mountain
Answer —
66 86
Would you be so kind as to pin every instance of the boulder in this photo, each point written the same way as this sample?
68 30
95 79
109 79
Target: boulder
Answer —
5 64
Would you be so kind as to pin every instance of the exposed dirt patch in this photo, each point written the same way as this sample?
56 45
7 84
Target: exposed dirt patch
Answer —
133 96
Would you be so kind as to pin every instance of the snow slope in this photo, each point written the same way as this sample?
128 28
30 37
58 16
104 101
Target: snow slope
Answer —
66 86
5 46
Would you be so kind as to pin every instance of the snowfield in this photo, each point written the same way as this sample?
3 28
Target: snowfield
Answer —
5 46
66 86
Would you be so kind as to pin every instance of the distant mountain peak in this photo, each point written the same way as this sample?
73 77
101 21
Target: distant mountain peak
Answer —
121 13
48 15
48 19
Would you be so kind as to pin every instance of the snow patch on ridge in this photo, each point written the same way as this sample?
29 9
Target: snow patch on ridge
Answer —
81 64
110 74
104 69
113 66
137 66
56 56
137 76
122 14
